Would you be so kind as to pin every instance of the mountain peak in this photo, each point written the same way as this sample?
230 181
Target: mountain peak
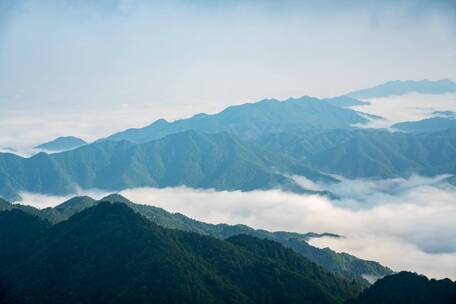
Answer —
62 143
76 202
115 198
160 122
402 87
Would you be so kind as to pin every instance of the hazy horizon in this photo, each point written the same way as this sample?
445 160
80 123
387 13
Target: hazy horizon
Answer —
99 67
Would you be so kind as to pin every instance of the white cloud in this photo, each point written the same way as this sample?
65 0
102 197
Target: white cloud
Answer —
404 224
412 106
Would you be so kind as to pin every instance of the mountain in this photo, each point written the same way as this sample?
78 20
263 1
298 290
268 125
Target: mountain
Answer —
301 145
382 154
367 153
410 288
221 161
194 159
62 144
433 124
446 114
398 87
251 120
345 102
342 264
110 254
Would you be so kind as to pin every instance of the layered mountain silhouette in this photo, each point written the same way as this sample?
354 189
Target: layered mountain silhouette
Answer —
398 87
224 162
194 159
433 124
256 146
62 143
380 154
251 120
342 264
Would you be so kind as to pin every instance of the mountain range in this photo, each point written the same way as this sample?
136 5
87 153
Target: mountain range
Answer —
381 154
368 153
194 159
342 264
62 143
222 161
107 253
399 87
251 120
433 124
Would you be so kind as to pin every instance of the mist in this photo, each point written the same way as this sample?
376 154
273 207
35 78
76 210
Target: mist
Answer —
89 68
409 107
406 224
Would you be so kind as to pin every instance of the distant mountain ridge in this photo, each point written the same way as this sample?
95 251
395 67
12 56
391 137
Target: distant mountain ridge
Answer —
194 159
251 120
433 124
374 154
222 161
62 143
381 154
398 87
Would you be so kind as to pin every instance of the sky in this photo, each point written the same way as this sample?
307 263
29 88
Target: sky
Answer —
89 68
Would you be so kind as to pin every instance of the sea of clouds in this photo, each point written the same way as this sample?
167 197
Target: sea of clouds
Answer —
406 224
408 107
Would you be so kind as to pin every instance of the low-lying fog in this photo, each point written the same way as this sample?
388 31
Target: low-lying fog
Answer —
406 224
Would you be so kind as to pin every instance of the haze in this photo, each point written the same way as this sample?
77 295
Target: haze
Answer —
91 68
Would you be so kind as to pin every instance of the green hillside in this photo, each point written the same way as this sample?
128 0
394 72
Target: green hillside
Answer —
87 258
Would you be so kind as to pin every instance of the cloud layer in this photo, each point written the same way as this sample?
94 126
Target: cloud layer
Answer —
407 107
404 224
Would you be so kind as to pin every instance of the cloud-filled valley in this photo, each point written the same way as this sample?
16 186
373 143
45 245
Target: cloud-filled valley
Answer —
227 151
409 107
402 223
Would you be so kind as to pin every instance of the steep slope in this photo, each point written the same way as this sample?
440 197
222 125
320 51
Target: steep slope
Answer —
433 124
410 288
223 162
383 154
251 120
18 231
368 153
190 158
62 143
87 258
342 264
301 145
73 206
288 258
397 87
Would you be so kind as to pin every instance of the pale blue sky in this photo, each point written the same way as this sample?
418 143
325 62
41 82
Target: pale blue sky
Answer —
135 61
